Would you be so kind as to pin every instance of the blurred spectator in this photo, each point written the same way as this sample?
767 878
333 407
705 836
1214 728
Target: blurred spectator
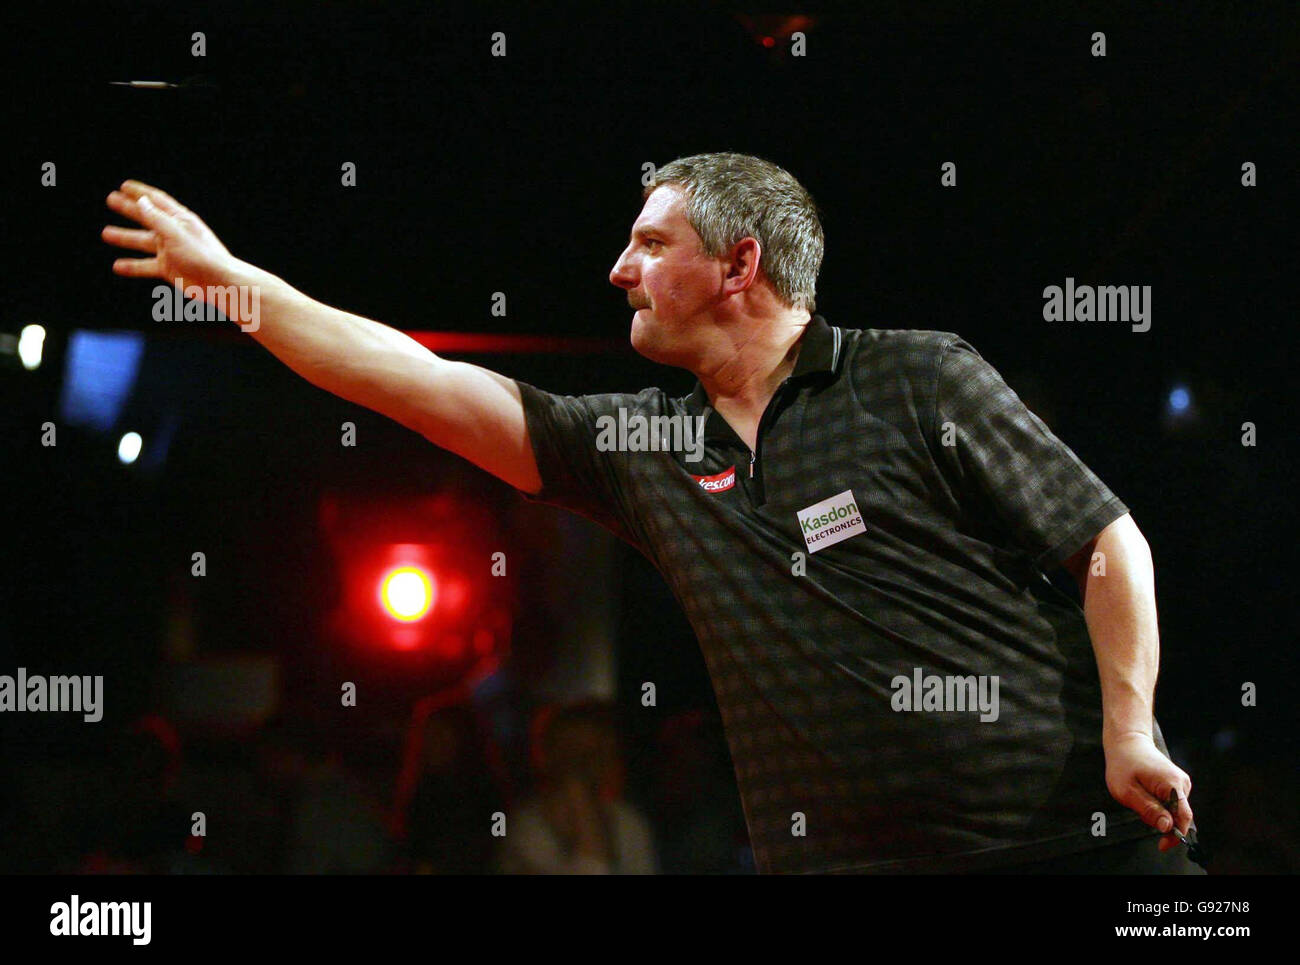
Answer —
139 827
447 794
577 823
281 756
337 825
325 819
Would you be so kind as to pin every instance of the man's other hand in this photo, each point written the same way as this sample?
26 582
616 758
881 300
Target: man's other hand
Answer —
1140 777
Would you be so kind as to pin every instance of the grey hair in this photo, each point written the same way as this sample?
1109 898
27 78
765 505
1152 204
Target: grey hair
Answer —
734 196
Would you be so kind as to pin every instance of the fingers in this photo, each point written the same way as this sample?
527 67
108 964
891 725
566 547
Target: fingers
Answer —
138 189
1150 808
1153 811
139 209
132 238
137 267
123 205
1184 818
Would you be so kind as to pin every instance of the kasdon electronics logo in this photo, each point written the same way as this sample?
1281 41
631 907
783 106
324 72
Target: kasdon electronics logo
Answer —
718 483
831 521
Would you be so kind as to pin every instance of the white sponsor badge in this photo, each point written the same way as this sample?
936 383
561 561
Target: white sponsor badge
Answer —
831 521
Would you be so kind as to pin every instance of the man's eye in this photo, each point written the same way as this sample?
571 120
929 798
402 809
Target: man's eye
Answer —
653 241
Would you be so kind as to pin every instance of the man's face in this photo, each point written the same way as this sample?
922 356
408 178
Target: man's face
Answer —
671 283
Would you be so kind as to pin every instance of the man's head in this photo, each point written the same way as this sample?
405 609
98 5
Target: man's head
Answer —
721 238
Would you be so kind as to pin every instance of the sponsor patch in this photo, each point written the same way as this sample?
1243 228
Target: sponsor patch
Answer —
831 521
719 482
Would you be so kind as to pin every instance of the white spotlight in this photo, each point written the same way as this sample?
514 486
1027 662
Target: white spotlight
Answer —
31 341
129 448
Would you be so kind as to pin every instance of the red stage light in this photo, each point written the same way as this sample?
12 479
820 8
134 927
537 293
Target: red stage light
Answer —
407 593
415 602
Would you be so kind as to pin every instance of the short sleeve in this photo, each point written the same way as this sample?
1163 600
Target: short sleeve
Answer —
575 473
1000 457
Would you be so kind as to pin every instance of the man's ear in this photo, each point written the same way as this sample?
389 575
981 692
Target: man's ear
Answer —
746 256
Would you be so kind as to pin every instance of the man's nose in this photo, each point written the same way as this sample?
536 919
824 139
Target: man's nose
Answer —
621 274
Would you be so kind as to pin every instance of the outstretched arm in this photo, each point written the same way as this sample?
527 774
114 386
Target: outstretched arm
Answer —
467 409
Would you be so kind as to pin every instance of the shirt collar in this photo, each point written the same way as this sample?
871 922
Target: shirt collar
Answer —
819 352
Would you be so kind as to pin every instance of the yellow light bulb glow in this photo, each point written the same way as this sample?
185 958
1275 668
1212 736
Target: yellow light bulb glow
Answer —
407 593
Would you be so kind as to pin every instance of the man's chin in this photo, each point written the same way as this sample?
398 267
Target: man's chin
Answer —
638 335
644 346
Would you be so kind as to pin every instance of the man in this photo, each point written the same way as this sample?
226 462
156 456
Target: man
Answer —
858 538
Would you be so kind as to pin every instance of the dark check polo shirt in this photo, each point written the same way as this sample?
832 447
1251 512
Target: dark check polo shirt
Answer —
963 498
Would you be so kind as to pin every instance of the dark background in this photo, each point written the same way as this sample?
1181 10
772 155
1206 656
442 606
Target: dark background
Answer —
522 175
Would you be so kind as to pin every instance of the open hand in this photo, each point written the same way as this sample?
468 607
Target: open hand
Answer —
184 250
